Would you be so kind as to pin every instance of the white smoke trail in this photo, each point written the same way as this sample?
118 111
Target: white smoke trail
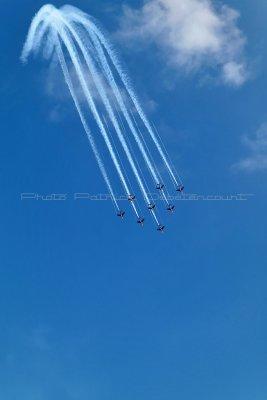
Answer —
84 41
32 43
116 91
83 120
105 100
113 85
125 79
164 191
78 68
134 205
59 22
98 40
79 18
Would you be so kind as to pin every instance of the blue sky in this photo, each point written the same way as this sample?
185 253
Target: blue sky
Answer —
95 308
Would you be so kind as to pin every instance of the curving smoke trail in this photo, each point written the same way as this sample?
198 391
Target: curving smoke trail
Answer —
99 40
69 30
92 25
74 57
83 120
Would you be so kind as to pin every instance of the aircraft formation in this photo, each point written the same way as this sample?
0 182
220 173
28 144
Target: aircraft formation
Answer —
151 206
117 128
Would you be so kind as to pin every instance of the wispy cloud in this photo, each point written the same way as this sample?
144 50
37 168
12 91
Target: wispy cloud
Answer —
191 34
257 146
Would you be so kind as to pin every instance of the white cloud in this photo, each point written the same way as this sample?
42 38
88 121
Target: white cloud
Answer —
234 73
192 34
257 145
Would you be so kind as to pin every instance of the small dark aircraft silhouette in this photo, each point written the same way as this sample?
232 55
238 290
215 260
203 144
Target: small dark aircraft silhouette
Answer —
141 221
160 228
131 197
160 186
151 206
171 207
180 188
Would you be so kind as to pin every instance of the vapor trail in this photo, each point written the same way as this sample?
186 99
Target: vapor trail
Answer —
120 101
77 64
74 37
114 86
109 75
106 102
35 35
128 86
82 118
